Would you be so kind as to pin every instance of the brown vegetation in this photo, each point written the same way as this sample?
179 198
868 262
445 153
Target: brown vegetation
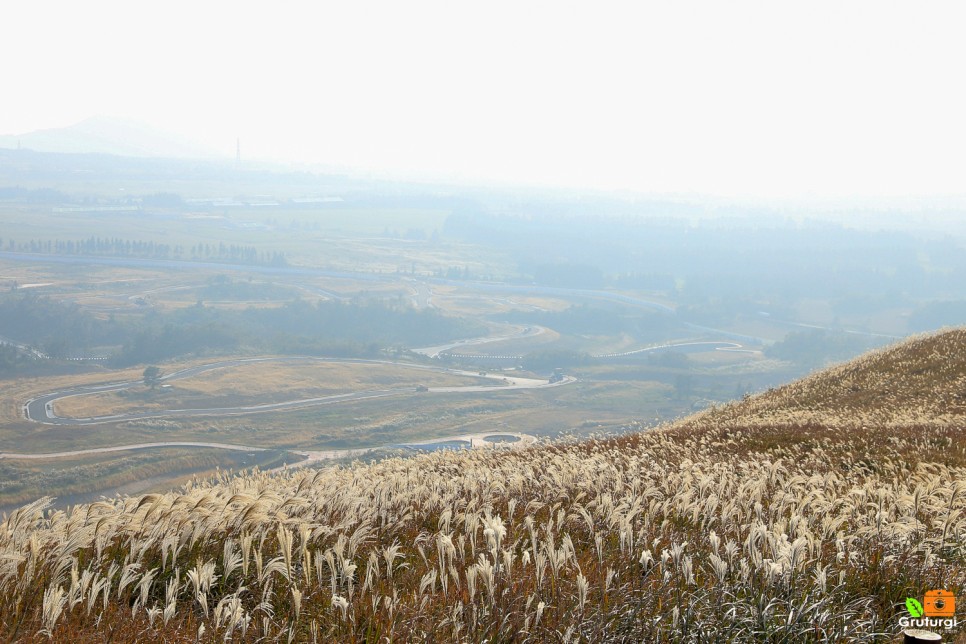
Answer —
256 383
807 514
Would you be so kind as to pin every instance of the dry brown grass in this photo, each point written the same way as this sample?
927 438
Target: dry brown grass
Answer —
452 299
255 383
720 528
919 382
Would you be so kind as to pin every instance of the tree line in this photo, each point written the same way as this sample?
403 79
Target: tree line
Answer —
344 329
116 247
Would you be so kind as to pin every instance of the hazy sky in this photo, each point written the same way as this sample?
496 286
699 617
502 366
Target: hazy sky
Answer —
731 98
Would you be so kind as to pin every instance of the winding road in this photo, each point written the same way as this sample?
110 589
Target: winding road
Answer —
683 347
311 456
521 332
41 408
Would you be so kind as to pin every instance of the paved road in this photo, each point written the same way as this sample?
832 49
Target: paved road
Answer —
471 441
683 347
41 408
311 456
522 331
421 293
135 446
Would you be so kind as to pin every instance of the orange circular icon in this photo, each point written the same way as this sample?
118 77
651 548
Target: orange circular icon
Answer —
939 603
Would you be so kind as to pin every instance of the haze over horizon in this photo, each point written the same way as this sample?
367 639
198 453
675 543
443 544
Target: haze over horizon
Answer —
747 99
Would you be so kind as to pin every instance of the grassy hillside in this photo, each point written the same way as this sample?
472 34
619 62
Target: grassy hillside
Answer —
918 383
809 513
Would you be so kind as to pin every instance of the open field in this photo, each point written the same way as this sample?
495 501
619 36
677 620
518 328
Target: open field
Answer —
602 402
457 300
579 408
256 383
230 225
605 399
611 395
374 240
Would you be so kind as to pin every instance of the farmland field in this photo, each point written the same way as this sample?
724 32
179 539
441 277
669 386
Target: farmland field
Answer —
193 304
255 383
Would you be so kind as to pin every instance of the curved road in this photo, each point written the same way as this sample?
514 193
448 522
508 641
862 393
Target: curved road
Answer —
134 446
523 331
311 456
40 409
684 347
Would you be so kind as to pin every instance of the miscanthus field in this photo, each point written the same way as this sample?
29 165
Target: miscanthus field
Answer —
807 513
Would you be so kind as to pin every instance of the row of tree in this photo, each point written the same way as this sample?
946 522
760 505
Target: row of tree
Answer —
116 247
12 359
360 328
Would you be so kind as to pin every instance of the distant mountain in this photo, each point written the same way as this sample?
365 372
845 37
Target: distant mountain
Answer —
108 135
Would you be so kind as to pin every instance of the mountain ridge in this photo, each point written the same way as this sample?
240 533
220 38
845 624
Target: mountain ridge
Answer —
109 135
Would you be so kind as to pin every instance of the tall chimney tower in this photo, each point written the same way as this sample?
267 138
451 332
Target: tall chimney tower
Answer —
238 150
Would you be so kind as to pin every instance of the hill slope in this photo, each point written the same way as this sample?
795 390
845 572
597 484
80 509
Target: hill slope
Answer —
742 524
917 383
107 135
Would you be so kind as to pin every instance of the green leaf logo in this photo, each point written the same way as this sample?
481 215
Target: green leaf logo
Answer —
914 607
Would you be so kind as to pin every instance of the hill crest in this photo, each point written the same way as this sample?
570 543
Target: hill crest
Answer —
919 382
108 135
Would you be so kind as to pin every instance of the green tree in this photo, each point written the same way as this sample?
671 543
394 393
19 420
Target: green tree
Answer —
152 376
